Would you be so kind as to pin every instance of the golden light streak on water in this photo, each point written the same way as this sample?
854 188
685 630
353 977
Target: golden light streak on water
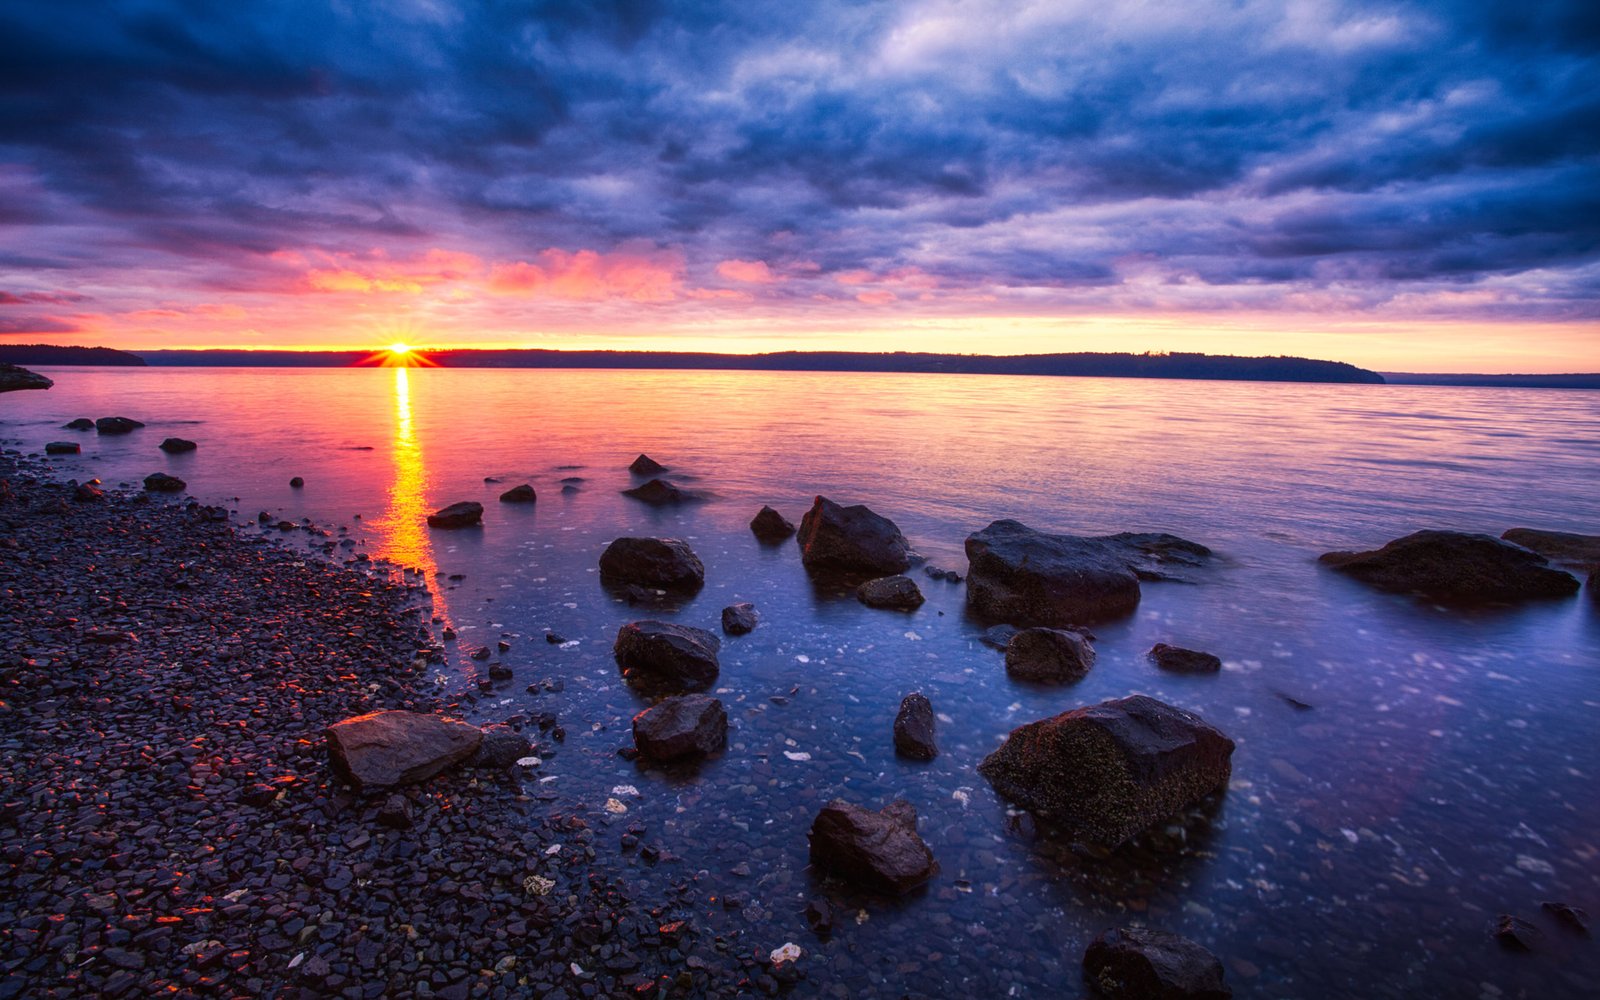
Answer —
403 531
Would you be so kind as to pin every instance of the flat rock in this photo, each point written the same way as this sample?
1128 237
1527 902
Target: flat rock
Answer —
770 526
160 482
644 465
914 728
1136 963
62 448
117 425
896 593
663 493
681 728
878 851
851 540
1048 655
458 515
386 749
1455 566
740 619
667 657
14 378
667 563
1177 660
519 494
1107 772
177 446
1564 547
80 424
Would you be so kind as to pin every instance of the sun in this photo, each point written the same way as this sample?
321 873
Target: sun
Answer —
398 355
399 350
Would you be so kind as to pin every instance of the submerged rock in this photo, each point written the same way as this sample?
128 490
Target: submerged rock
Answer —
687 726
1136 963
879 851
661 493
644 465
519 494
1575 918
117 425
668 657
998 636
851 540
1177 660
740 619
14 378
770 526
62 448
1564 547
896 593
160 482
177 446
666 563
1515 933
1107 772
458 515
1048 656
80 424
500 748
296 483
1455 566
914 728
385 749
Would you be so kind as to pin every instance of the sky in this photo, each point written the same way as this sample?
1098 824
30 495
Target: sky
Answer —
1405 186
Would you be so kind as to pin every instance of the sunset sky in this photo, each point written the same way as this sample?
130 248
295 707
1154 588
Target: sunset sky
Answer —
1405 186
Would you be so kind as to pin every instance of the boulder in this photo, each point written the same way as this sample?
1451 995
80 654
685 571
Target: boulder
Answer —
385 749
1564 547
1455 566
458 515
14 379
666 563
667 657
644 465
296 483
851 540
913 728
500 748
740 619
661 493
897 593
160 482
177 446
519 494
770 526
1027 577
1107 772
998 636
62 448
1136 963
87 492
877 851
1177 660
1048 655
685 727
80 424
116 425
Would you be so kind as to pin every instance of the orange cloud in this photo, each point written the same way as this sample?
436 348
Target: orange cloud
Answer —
637 276
376 273
754 272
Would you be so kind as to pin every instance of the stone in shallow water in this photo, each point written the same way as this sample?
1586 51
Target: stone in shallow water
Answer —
177 446
667 657
644 465
662 493
500 748
879 851
1136 963
458 515
80 424
914 728
666 563
1515 934
384 749
851 540
1048 655
160 482
682 728
1177 660
62 448
770 526
895 593
1566 547
740 619
116 425
1455 566
519 494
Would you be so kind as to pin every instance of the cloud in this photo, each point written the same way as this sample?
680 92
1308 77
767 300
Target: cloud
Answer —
751 272
637 276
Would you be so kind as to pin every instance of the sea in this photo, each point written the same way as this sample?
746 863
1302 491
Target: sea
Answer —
1405 773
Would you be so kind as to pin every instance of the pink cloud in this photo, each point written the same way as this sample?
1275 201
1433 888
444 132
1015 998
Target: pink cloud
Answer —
637 276
754 272
377 273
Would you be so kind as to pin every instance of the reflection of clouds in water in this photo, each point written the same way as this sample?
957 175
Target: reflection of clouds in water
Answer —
402 533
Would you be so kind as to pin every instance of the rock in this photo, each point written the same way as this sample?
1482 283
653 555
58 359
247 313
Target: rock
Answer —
661 493
739 619
1027 577
396 813
644 465
1048 656
1455 566
676 658
384 749
896 593
1136 963
1564 547
1573 917
878 851
851 540
500 748
296 483
998 636
86 492
14 379
666 563
80 424
1515 934
1177 660
258 795
160 482
62 448
938 573
458 515
519 494
913 728
1107 772
819 916
116 425
177 446
680 728
770 526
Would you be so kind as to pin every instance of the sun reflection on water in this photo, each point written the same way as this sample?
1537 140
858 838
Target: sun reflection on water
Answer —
402 530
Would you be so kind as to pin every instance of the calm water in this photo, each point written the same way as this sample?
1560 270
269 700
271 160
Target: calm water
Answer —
1445 773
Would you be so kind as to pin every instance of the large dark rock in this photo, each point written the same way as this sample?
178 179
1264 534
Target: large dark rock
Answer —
644 465
519 494
62 448
1027 577
384 749
1564 547
1048 655
80 424
500 748
897 593
681 728
914 728
117 425
458 515
1455 566
1177 660
667 657
740 619
662 493
878 851
15 379
160 482
851 540
177 446
771 526
666 563
1136 963
1109 771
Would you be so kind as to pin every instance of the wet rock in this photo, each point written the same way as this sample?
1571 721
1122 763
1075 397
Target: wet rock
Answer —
914 728
1048 656
666 563
681 728
14 378
519 494
1177 660
178 446
770 526
819 917
396 813
938 573
1107 772
1515 934
895 593
1573 917
1455 566
296 483
160 482
458 515
740 619
80 424
1136 963
644 465
117 425
851 540
998 636
384 749
878 851
1564 547
86 492
259 794
662 493
500 748
668 657
62 448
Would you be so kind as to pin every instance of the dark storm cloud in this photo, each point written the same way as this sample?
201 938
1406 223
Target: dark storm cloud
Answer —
990 144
